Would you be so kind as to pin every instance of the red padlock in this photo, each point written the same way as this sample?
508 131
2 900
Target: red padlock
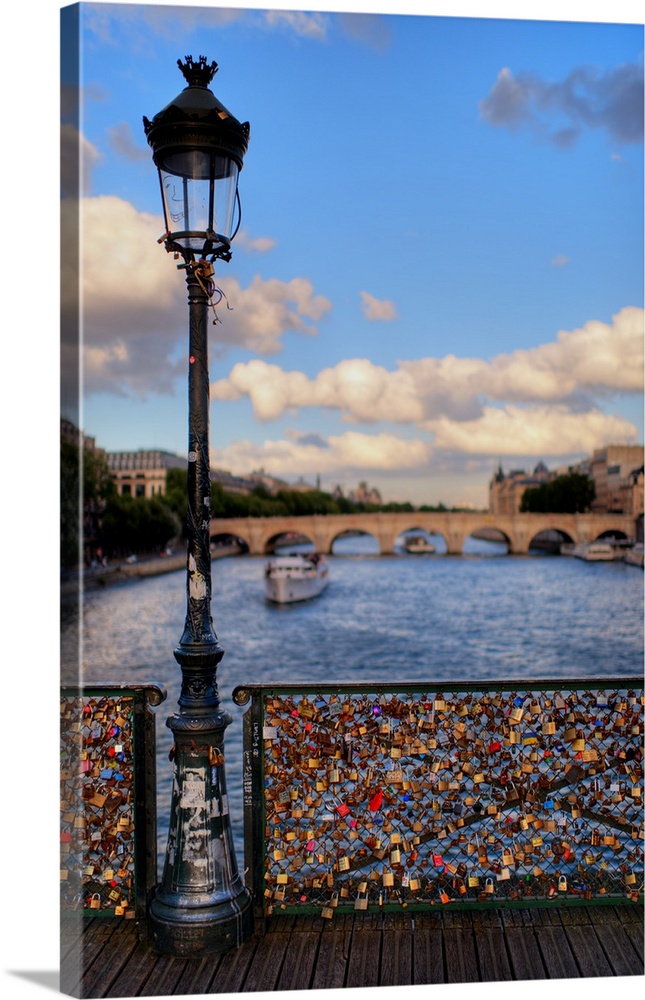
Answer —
376 801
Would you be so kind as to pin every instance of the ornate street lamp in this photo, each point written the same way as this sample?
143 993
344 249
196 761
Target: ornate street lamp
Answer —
201 905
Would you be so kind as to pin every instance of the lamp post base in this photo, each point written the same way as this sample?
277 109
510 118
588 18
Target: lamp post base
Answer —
201 906
190 932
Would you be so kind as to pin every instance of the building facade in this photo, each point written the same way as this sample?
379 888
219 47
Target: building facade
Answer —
616 471
506 489
142 473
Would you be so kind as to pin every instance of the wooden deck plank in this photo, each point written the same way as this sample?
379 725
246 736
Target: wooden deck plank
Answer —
428 964
634 932
264 972
361 950
630 914
135 974
461 955
333 956
525 955
615 943
494 965
116 971
363 968
95 952
558 957
588 953
396 958
299 963
198 975
164 977
232 972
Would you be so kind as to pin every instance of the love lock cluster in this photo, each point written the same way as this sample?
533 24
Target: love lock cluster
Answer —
97 791
437 797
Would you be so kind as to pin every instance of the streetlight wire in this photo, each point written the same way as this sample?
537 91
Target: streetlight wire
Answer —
204 271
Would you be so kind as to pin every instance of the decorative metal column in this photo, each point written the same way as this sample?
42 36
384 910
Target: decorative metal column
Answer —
201 906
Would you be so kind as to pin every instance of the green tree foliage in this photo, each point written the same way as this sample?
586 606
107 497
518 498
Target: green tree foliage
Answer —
70 514
98 484
569 494
97 487
176 496
294 503
139 525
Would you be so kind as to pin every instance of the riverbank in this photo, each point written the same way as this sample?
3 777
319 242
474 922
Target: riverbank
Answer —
123 572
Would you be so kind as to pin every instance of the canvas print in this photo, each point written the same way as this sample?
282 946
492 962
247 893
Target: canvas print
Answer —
351 500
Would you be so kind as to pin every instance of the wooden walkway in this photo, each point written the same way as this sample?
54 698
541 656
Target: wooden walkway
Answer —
107 959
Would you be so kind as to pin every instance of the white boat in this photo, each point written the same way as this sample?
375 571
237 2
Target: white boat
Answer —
297 577
418 545
635 555
594 551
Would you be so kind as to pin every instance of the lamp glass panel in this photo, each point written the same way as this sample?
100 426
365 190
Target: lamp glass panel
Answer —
199 196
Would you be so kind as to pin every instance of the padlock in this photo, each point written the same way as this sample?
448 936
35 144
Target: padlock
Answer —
562 883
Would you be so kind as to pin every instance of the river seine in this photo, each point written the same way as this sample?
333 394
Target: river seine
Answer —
479 616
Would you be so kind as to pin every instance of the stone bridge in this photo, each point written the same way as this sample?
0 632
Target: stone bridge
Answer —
518 531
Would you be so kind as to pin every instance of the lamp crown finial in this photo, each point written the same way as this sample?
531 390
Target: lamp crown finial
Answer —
197 74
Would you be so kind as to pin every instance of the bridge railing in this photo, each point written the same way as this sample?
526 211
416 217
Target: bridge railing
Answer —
360 797
108 828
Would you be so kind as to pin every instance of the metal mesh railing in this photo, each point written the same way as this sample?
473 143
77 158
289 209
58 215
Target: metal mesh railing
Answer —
412 795
108 799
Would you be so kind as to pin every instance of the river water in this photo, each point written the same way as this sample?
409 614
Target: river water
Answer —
483 615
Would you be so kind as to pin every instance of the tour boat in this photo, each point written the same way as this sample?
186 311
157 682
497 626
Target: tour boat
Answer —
635 555
418 545
297 577
594 551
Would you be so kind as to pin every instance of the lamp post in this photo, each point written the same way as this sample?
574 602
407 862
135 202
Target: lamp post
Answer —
201 905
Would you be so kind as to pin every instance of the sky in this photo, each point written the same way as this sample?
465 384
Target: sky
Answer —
440 260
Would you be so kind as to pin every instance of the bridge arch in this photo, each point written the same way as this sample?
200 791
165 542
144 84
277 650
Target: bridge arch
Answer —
610 533
366 543
454 526
549 540
487 541
287 539
224 542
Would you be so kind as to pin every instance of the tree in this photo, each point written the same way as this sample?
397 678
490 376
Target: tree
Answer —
79 527
70 515
568 494
139 525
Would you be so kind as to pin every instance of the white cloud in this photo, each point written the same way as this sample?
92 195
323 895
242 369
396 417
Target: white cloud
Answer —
597 360
78 157
253 244
361 389
347 454
560 111
266 309
377 309
134 302
307 25
533 431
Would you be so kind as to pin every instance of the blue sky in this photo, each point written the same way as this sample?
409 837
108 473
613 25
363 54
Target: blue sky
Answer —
440 263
